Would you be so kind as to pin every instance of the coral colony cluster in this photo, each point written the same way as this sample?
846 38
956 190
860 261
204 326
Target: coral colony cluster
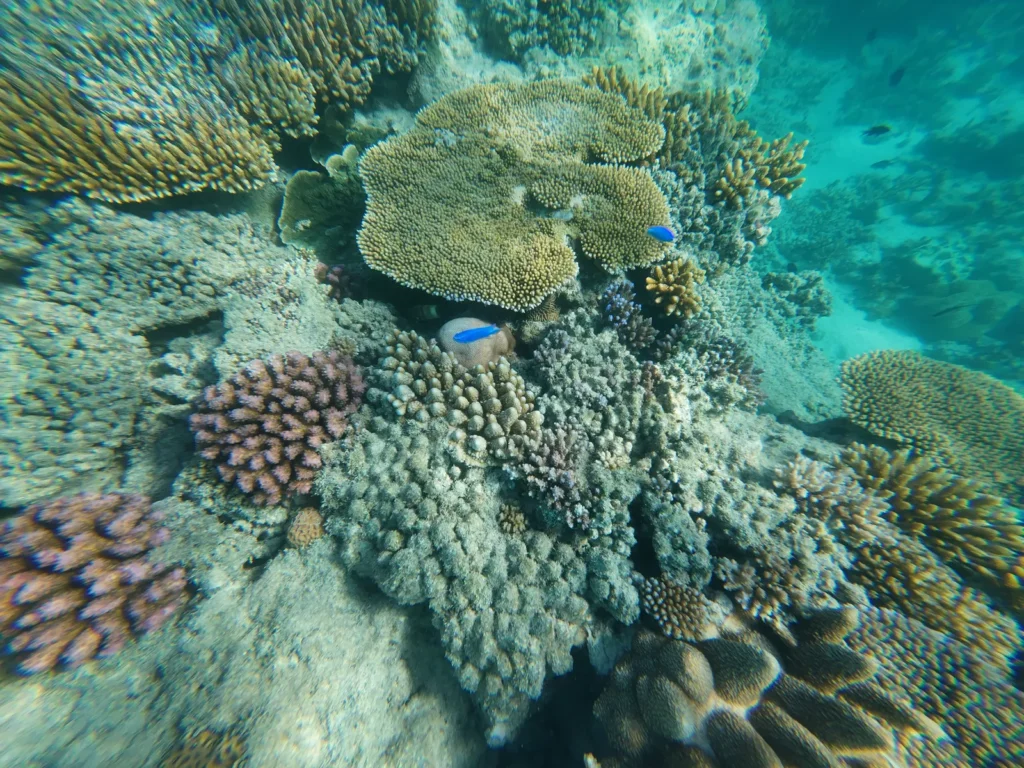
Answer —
264 426
527 399
75 581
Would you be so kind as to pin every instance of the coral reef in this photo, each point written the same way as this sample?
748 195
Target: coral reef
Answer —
182 97
674 287
76 583
264 426
804 293
305 527
740 698
453 204
568 28
969 529
975 704
965 420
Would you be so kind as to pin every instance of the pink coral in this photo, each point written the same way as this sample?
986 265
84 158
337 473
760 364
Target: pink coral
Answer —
264 426
75 583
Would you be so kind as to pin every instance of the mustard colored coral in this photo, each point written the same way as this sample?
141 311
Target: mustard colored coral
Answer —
674 286
967 421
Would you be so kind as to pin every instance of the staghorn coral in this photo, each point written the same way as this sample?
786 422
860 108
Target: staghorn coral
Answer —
634 329
975 704
305 527
969 529
205 748
965 420
75 581
742 699
265 425
490 410
674 285
456 206
681 613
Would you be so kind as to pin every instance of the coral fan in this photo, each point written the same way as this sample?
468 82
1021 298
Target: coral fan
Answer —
674 287
452 204
742 699
966 420
75 581
265 425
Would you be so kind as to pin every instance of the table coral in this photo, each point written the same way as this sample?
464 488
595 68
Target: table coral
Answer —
965 420
742 698
264 426
76 583
460 205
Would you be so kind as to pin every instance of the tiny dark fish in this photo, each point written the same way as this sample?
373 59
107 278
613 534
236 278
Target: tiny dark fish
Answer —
475 334
872 34
895 77
947 310
877 130
883 163
659 232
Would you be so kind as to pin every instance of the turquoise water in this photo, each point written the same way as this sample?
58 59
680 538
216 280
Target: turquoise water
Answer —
504 383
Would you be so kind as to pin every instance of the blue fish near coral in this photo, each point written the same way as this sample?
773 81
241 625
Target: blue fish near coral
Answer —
475 334
659 232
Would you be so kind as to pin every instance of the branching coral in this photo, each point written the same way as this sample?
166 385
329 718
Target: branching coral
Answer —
634 329
305 527
965 420
566 27
739 699
75 581
264 426
951 682
680 612
804 293
674 285
551 476
953 517
453 204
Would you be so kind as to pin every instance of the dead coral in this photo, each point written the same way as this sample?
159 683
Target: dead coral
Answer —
75 581
264 426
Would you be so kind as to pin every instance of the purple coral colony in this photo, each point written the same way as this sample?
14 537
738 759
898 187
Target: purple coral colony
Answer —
366 366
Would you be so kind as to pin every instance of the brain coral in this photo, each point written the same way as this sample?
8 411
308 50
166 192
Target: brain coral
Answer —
966 420
75 582
460 206
741 699
265 425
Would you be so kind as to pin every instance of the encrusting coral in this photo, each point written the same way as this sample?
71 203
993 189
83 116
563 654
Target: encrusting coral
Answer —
462 205
965 420
124 103
674 287
745 698
264 426
75 581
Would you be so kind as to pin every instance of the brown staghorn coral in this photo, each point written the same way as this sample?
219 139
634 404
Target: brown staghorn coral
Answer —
680 612
965 420
264 426
743 698
975 704
75 581
897 571
954 517
674 286
460 206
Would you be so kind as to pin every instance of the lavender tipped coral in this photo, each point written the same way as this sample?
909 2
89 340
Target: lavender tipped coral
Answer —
264 426
75 582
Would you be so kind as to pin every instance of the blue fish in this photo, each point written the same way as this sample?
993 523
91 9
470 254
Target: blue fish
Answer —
475 334
659 232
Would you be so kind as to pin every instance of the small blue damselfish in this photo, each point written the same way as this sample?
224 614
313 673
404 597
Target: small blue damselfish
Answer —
659 232
475 334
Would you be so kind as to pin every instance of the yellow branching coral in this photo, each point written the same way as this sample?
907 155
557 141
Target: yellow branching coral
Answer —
462 206
674 286
952 516
965 420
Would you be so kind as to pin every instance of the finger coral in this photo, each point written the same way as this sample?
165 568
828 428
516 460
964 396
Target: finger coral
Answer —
674 287
75 581
965 420
743 698
461 205
264 426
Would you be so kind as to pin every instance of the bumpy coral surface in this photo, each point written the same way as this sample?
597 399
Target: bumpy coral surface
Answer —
742 699
75 581
966 420
263 427
461 206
